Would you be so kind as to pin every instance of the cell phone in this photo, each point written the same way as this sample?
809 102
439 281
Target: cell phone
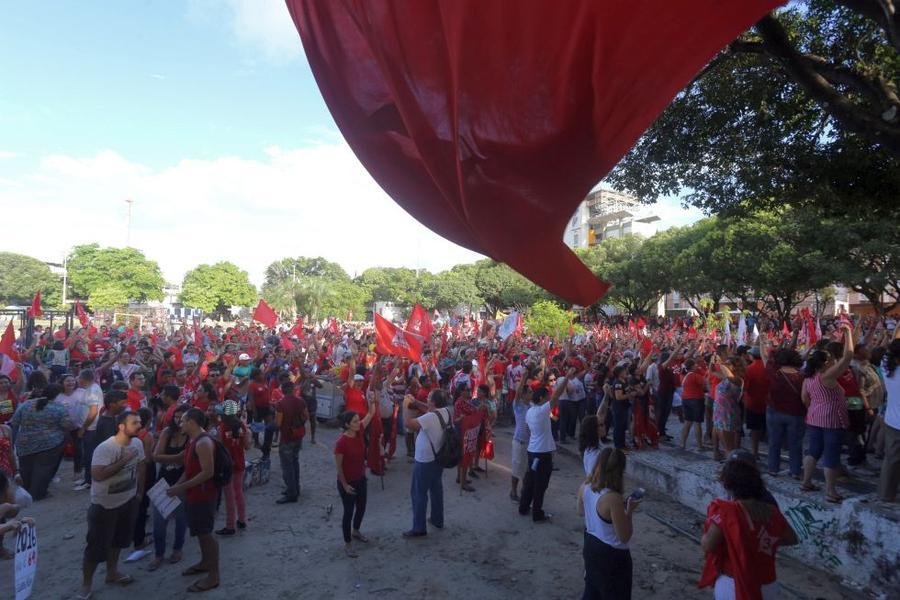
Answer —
638 494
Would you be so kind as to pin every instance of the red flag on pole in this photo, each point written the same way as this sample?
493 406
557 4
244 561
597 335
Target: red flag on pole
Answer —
390 339
82 316
297 329
333 326
286 342
198 337
35 310
265 315
419 322
8 354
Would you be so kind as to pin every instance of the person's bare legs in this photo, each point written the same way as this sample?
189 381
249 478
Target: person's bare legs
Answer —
112 565
685 430
831 476
698 433
87 577
809 469
209 552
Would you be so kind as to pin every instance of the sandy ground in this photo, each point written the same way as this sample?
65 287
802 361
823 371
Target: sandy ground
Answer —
486 550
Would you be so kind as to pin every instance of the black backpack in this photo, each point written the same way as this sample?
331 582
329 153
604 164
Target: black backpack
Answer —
222 463
450 452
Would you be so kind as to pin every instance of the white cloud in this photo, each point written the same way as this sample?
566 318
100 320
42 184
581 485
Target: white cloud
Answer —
263 25
314 201
7 154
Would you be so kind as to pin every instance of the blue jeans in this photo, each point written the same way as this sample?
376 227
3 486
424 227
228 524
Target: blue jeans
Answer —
159 530
289 455
620 412
427 478
790 429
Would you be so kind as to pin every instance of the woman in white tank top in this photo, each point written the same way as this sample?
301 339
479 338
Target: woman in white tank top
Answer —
607 529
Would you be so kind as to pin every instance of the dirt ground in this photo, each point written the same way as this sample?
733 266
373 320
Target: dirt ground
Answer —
486 550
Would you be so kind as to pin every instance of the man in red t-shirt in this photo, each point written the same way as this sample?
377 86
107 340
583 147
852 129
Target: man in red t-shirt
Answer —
136 396
260 405
756 396
290 420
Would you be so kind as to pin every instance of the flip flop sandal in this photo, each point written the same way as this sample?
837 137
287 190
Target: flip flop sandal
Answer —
155 564
361 538
834 499
810 488
122 581
194 571
197 588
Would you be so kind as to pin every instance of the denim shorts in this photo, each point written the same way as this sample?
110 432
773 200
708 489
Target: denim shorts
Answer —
825 443
694 410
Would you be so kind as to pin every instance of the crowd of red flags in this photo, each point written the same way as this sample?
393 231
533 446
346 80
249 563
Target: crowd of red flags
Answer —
390 339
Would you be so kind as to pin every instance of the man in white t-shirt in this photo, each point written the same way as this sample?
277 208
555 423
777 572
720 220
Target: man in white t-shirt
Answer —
540 450
116 489
92 401
427 473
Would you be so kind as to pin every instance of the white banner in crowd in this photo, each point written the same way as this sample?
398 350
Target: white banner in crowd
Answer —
26 560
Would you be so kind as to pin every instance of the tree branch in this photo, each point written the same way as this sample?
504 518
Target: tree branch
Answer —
799 68
883 12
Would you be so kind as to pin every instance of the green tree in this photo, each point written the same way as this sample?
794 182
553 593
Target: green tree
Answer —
107 296
499 286
450 289
863 253
312 295
344 296
802 109
289 269
394 284
620 261
694 262
21 276
215 288
548 318
91 267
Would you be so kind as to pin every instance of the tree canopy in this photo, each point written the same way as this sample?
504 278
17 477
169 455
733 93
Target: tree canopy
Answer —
215 288
91 267
548 318
802 109
21 276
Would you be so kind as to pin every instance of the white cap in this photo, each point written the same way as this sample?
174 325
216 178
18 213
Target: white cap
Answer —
244 356
358 377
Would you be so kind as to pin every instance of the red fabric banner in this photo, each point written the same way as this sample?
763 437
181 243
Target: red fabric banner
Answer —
35 311
487 120
81 314
265 315
469 429
391 340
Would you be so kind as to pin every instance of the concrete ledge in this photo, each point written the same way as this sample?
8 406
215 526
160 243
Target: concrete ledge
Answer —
858 539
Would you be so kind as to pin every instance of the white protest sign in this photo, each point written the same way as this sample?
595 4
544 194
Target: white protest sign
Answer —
26 560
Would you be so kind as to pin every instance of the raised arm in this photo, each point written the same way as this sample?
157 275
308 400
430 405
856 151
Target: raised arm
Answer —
830 376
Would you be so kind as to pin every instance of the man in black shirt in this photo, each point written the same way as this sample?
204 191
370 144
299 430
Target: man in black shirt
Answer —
113 403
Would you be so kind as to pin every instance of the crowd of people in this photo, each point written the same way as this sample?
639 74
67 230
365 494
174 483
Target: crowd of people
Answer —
183 405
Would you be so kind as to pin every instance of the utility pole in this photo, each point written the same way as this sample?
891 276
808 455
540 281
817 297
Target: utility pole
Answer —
129 202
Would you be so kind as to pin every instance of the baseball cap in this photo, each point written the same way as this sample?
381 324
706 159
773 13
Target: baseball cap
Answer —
244 356
358 377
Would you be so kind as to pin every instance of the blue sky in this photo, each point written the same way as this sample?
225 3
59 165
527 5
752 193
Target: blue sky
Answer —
206 114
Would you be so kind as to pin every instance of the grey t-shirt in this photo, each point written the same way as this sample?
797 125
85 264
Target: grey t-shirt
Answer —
121 487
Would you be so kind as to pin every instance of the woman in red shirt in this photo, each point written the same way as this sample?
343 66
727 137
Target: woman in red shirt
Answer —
350 460
235 437
692 399
742 536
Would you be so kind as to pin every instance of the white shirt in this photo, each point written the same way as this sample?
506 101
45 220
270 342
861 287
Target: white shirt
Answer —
121 487
653 376
74 405
430 434
91 396
538 420
892 393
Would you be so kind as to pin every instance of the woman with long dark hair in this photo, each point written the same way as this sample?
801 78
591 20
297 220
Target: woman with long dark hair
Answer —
40 426
349 459
826 417
169 455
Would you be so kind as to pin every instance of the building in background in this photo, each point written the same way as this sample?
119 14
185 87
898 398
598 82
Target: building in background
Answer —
606 213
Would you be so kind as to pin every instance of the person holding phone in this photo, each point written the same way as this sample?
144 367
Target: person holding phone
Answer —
608 528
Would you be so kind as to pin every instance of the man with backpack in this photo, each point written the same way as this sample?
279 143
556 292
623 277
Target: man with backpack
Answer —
437 448
205 467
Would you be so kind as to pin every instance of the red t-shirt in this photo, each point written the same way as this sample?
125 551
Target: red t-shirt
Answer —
206 491
355 401
292 428
693 387
756 387
353 450
260 395
134 399
234 445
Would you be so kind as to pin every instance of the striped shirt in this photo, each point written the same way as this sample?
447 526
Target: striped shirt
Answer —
827 406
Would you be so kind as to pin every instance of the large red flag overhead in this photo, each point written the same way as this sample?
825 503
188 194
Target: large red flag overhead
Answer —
265 315
390 339
419 322
489 122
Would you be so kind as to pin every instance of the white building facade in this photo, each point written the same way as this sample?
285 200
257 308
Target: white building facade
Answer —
606 213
